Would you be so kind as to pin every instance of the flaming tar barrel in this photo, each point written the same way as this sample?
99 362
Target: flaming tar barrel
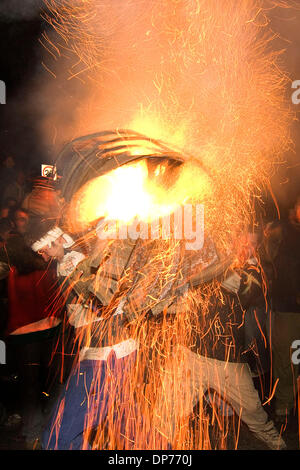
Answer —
92 156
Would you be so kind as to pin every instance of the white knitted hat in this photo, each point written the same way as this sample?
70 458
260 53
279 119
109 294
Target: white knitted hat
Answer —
50 237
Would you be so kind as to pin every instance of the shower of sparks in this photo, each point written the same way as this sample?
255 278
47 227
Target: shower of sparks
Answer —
201 76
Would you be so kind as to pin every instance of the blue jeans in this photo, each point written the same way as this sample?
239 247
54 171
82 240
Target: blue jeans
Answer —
94 390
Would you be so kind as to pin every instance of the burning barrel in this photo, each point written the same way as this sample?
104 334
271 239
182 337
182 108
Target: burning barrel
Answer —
125 175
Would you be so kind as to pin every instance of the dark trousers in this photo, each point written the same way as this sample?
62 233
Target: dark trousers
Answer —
285 330
34 358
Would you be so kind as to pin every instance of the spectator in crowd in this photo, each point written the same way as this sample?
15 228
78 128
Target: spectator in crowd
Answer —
286 310
258 315
57 247
8 205
43 201
20 220
52 243
5 232
16 189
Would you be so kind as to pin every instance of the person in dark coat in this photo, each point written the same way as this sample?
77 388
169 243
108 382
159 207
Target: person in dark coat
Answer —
286 313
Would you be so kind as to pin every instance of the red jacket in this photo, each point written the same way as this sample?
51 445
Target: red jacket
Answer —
32 297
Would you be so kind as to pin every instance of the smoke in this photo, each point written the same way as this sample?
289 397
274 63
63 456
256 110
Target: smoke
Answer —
149 54
207 77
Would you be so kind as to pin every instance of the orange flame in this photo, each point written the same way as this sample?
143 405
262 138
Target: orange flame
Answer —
128 192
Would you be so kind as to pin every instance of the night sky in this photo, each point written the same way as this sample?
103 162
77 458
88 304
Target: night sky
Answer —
21 69
20 57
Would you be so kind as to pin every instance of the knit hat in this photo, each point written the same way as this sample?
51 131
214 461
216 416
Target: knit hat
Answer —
42 232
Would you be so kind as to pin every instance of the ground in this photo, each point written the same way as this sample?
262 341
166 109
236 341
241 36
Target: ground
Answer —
10 435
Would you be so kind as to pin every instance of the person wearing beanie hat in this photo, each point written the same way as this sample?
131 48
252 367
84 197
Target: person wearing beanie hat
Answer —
44 199
49 241
56 244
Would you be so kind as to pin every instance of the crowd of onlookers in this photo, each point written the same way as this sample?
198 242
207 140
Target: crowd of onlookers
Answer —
28 292
26 285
